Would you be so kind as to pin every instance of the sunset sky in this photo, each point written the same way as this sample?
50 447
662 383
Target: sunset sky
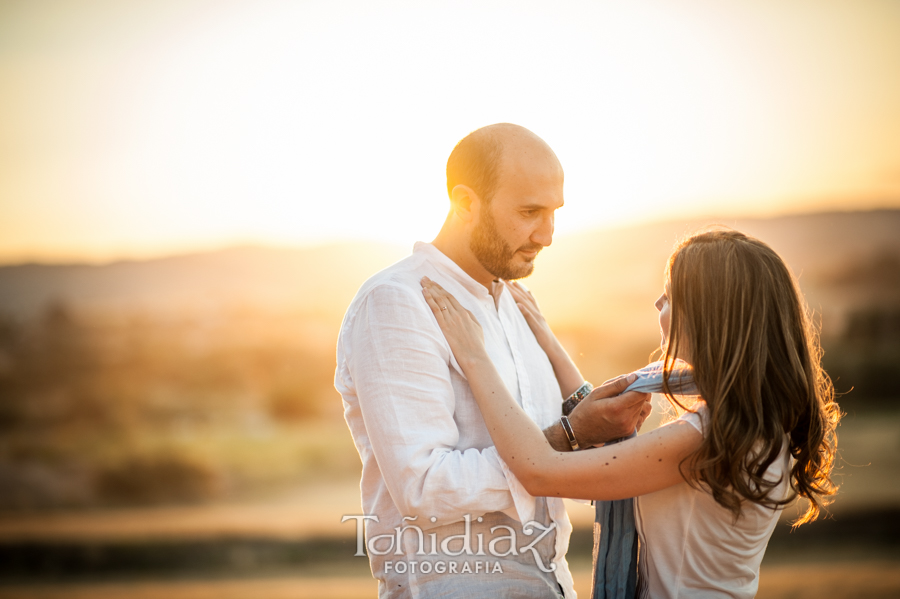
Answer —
144 128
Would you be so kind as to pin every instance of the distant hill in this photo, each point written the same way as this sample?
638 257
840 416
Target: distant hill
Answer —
607 278
318 280
620 271
186 378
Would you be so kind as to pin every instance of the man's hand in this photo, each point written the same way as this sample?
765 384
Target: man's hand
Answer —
608 414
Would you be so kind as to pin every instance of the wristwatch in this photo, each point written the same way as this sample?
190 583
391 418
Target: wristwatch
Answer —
572 401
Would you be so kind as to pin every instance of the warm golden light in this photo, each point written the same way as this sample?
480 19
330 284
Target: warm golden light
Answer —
170 426
140 128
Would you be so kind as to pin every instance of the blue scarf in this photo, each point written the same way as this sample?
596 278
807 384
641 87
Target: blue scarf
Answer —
616 543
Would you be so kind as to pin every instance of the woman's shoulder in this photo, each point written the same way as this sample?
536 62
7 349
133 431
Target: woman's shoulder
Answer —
697 415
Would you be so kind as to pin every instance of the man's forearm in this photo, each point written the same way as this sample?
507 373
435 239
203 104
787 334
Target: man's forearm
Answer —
557 438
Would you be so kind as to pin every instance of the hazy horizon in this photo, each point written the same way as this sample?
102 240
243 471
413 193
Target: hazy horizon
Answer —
238 244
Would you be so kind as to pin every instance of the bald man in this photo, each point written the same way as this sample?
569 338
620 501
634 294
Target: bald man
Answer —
444 516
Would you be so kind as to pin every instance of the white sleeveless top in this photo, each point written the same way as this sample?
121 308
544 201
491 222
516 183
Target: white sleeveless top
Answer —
690 545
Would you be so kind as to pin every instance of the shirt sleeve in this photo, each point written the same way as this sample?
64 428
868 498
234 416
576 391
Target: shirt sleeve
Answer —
401 368
697 416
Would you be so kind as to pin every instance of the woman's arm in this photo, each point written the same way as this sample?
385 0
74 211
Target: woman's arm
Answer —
642 465
567 374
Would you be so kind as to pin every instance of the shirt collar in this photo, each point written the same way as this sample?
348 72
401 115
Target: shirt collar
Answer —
451 268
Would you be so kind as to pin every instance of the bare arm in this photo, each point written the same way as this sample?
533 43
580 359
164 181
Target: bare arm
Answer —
567 374
556 437
605 414
594 422
642 465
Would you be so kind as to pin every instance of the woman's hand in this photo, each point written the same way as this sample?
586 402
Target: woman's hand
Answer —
532 313
460 327
642 465
567 373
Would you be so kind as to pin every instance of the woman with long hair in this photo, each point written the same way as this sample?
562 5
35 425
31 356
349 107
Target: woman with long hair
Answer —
709 485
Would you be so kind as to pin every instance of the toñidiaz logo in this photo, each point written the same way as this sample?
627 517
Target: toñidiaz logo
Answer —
503 542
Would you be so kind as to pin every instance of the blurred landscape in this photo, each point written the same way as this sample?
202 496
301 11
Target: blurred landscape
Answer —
183 407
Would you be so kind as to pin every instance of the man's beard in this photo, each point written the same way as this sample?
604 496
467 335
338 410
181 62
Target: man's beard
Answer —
494 254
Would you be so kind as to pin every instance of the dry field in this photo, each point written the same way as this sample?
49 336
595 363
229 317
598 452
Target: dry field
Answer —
869 474
809 581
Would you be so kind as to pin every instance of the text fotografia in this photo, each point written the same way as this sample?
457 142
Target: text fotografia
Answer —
503 542
442 567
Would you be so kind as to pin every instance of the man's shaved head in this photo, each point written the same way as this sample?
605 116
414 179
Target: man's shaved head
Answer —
477 160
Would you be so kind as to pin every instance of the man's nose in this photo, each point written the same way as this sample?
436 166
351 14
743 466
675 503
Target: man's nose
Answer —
543 234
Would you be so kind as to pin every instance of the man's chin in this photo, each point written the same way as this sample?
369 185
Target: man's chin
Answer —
521 270
510 268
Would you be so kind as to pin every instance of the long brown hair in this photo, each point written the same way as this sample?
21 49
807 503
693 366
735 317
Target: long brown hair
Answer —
740 319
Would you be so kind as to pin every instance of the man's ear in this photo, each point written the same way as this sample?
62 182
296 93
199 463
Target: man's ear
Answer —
464 202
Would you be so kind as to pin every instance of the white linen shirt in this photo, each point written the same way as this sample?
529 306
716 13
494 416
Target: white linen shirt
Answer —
425 450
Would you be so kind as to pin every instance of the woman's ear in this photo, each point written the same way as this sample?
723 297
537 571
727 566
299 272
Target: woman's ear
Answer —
464 203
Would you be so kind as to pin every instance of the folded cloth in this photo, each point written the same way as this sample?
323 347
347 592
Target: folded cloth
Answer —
615 548
650 379
616 544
